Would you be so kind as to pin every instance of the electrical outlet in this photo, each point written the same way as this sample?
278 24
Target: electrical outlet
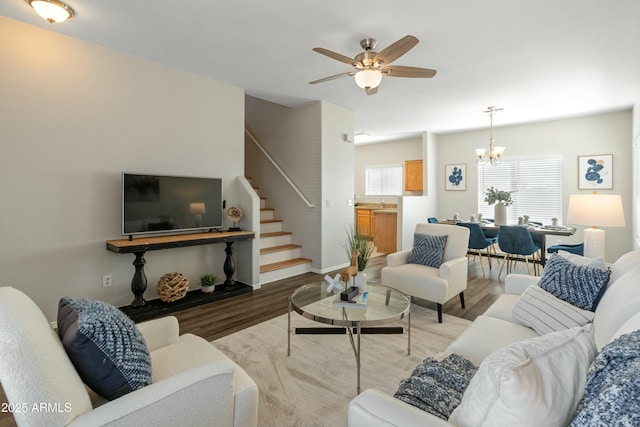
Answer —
106 281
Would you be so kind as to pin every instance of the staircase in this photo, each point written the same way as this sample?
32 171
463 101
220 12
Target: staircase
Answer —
279 257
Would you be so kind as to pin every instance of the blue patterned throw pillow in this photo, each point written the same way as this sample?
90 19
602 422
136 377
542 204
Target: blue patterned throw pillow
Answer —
437 386
579 285
427 250
104 346
612 392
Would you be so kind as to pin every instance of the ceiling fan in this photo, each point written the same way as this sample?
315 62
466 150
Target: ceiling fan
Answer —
370 66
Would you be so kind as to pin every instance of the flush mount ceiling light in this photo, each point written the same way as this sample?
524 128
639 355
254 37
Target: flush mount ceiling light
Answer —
494 155
54 11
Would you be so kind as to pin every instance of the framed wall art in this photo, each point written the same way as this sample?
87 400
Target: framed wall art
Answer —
455 177
595 172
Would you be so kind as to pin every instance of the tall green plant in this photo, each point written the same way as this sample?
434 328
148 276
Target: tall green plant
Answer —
364 245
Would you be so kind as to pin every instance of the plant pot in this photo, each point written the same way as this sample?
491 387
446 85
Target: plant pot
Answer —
208 289
500 214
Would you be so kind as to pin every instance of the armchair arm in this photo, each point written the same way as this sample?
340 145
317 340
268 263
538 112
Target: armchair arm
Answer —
199 395
455 272
398 258
373 408
160 332
517 283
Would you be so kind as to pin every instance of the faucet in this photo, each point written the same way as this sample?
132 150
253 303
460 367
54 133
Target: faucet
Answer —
382 203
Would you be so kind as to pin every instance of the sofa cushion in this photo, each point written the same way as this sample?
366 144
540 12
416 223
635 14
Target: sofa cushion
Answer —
579 285
487 334
502 308
437 386
535 382
105 347
545 313
625 263
612 392
427 250
619 304
597 262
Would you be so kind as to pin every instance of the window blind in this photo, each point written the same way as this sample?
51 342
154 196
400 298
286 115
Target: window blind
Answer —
536 184
384 180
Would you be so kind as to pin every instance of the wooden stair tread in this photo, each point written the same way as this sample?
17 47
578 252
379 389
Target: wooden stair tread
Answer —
270 221
275 234
283 264
278 248
266 209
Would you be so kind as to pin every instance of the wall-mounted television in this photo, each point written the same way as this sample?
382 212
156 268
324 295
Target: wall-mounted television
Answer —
170 204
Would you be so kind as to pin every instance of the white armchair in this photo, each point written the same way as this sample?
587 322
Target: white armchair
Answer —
194 383
432 284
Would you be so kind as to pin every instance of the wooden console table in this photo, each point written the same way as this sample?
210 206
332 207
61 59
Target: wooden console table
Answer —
139 246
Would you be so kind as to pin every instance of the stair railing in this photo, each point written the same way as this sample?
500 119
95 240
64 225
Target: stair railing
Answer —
279 169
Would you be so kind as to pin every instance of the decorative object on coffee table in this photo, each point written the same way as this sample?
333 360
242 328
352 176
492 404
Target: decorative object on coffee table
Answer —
364 245
172 286
208 282
234 214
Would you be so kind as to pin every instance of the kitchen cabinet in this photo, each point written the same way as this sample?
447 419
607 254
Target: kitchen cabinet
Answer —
413 175
364 221
385 231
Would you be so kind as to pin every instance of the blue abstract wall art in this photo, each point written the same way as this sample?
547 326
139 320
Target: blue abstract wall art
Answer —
595 172
455 177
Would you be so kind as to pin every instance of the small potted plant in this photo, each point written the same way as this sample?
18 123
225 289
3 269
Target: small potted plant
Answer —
501 199
364 247
208 282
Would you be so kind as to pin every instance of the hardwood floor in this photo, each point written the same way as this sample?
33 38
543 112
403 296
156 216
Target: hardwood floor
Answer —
222 318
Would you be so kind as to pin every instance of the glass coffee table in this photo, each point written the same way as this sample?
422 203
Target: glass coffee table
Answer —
384 305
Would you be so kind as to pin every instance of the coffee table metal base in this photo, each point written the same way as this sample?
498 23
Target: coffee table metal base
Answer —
357 331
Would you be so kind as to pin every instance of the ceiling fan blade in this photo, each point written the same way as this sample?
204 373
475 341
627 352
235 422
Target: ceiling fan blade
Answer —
337 76
335 55
396 50
372 91
401 71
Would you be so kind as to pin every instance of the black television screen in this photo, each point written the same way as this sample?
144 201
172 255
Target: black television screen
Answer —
165 204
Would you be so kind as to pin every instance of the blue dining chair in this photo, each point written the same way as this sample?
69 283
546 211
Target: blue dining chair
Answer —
517 240
577 248
432 220
478 241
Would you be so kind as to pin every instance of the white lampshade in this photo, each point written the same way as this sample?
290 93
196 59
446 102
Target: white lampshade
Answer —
53 11
595 210
480 152
368 79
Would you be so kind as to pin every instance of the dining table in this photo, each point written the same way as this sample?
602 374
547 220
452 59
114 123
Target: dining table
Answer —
491 230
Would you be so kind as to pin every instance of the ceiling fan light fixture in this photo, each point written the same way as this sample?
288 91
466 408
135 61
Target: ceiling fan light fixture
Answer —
368 79
53 11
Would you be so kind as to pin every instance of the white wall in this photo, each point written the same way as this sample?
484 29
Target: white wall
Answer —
608 133
337 185
73 117
636 174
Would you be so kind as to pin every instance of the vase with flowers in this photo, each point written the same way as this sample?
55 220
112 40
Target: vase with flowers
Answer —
501 199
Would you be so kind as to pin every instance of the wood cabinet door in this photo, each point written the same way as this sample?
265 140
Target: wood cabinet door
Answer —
413 175
364 221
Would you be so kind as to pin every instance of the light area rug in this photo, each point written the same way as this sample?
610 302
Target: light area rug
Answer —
313 386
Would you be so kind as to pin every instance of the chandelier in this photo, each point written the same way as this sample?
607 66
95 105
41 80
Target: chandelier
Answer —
494 155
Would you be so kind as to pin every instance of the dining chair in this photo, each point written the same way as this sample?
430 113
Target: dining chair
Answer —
517 240
478 241
432 220
577 248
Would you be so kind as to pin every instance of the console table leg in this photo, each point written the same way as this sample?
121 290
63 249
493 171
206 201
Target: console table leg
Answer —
229 266
139 281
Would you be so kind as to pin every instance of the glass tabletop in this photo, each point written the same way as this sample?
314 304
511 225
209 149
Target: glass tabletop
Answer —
314 302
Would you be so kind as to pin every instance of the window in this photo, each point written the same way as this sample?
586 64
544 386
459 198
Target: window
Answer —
384 181
536 184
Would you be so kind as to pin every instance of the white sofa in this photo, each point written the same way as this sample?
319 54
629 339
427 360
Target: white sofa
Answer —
193 384
618 312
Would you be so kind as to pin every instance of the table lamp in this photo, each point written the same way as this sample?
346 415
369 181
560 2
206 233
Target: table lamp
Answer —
595 210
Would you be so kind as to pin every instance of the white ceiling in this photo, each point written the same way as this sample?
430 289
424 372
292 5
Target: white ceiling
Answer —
538 59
